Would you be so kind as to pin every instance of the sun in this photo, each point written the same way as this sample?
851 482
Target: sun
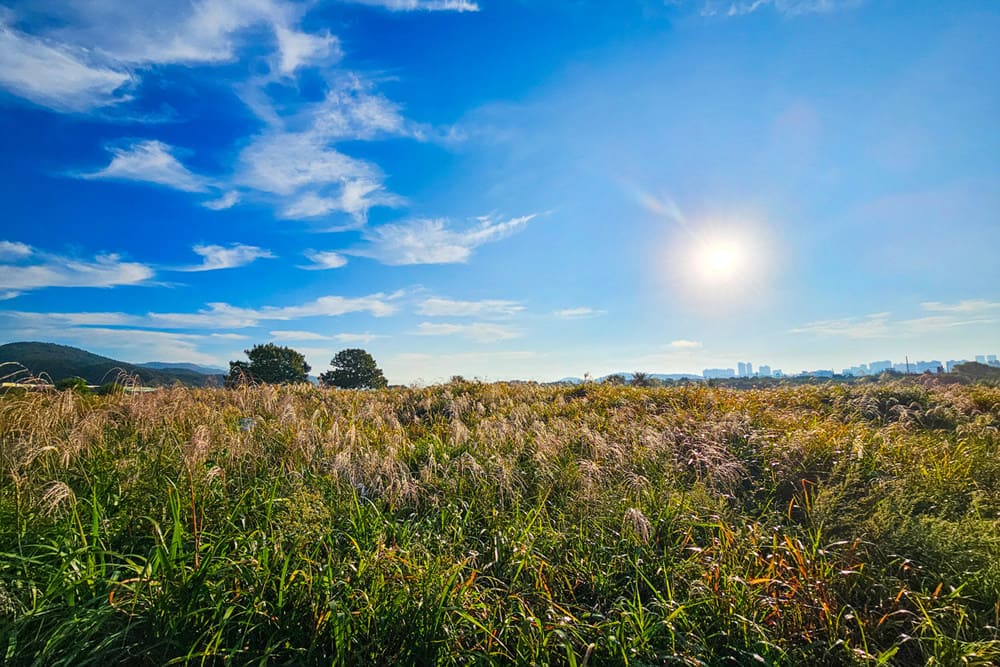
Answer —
719 261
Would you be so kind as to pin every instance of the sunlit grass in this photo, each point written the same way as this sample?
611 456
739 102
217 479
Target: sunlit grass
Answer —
502 523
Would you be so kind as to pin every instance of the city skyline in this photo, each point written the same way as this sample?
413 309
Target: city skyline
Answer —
744 369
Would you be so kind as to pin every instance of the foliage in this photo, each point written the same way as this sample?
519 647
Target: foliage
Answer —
61 361
502 524
640 379
269 364
353 369
77 384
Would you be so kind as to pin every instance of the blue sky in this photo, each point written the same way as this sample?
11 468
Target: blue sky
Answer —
503 189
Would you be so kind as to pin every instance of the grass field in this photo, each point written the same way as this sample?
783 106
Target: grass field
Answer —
477 524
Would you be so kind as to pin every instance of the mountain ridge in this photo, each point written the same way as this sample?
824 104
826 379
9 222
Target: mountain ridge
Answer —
62 361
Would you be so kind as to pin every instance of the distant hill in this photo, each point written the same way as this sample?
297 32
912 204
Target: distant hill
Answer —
62 361
173 365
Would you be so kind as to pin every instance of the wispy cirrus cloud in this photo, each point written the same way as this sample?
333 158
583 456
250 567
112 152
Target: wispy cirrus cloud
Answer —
83 55
58 76
882 325
439 307
227 200
683 344
323 260
296 163
24 268
420 5
354 197
967 307
433 241
294 336
785 7
215 257
215 315
88 54
580 313
480 332
150 161
12 250
875 325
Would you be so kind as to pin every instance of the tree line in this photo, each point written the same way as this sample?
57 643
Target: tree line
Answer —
352 368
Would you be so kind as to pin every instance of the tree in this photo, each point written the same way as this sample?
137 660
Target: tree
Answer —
640 379
270 364
353 369
76 384
616 379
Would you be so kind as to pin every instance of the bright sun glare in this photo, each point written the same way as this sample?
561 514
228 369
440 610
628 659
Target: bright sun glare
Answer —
719 261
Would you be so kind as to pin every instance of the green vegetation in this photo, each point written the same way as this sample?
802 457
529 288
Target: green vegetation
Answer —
353 369
77 384
476 523
57 362
270 364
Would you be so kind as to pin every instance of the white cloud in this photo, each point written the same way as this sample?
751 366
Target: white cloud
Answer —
227 200
872 326
214 315
152 162
421 5
89 51
23 268
225 316
881 325
785 7
426 241
581 313
148 32
437 307
56 75
143 344
291 335
354 198
969 306
299 48
216 257
282 163
682 344
324 260
14 250
352 110
481 332
296 158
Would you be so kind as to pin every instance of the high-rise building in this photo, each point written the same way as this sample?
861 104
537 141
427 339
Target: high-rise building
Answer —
929 366
749 369
764 371
980 358
879 366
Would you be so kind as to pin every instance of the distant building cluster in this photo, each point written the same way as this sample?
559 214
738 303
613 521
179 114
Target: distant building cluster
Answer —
918 367
744 369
